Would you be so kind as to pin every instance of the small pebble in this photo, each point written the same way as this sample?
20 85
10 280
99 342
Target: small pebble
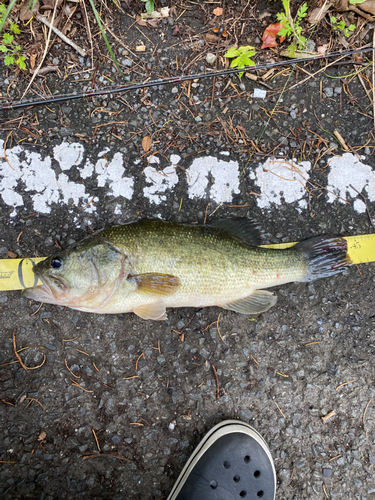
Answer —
210 58
328 91
327 472
310 45
127 62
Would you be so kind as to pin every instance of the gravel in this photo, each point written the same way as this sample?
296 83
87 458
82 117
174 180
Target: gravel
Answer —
137 413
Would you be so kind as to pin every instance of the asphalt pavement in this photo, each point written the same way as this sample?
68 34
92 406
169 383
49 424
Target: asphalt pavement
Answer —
119 403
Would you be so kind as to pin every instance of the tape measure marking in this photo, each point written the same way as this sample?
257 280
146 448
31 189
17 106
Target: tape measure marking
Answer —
20 273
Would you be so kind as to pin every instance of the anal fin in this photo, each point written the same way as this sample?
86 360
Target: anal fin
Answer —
155 311
257 302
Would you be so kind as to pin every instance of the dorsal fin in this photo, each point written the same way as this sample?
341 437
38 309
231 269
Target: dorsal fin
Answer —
248 229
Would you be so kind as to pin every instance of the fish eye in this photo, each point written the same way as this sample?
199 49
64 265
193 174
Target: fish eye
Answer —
56 262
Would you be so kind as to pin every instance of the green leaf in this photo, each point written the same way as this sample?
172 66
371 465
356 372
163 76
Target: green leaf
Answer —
250 63
14 27
8 38
244 49
18 47
150 6
8 60
355 2
302 11
333 19
286 6
282 17
3 48
352 27
235 62
246 60
21 62
232 52
283 32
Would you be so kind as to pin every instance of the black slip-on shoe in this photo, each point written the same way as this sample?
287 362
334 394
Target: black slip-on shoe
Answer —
232 462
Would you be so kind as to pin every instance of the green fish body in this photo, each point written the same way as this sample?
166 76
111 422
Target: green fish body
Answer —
147 266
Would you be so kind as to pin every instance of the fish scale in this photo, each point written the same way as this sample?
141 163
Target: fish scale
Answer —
210 261
149 265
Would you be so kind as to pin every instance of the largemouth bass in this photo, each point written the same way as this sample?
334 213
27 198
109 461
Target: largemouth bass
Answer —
146 266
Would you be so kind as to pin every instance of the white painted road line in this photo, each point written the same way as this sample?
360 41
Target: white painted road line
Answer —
277 181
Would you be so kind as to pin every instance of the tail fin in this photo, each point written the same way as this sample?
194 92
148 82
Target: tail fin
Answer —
325 256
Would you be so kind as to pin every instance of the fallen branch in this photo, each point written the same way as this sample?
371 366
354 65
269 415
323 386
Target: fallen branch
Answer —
45 21
45 70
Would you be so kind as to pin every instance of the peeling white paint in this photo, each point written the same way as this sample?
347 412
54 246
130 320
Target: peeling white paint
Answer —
68 154
278 181
102 153
224 174
39 178
348 171
10 173
112 173
161 181
87 170
281 181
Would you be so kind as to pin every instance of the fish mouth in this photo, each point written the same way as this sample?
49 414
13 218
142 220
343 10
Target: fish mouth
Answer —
53 290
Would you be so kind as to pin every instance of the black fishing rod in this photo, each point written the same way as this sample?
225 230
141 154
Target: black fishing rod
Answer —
178 79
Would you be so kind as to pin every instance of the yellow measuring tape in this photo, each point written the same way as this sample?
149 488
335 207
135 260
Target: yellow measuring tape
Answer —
16 274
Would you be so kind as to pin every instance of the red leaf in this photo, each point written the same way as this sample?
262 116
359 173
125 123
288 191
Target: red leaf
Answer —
269 35
141 21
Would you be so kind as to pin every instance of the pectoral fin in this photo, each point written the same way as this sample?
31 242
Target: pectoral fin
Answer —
155 311
257 302
155 284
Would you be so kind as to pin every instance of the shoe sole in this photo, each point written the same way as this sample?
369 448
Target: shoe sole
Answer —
222 429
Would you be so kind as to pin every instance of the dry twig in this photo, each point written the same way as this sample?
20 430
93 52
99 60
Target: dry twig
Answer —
328 416
217 382
49 25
